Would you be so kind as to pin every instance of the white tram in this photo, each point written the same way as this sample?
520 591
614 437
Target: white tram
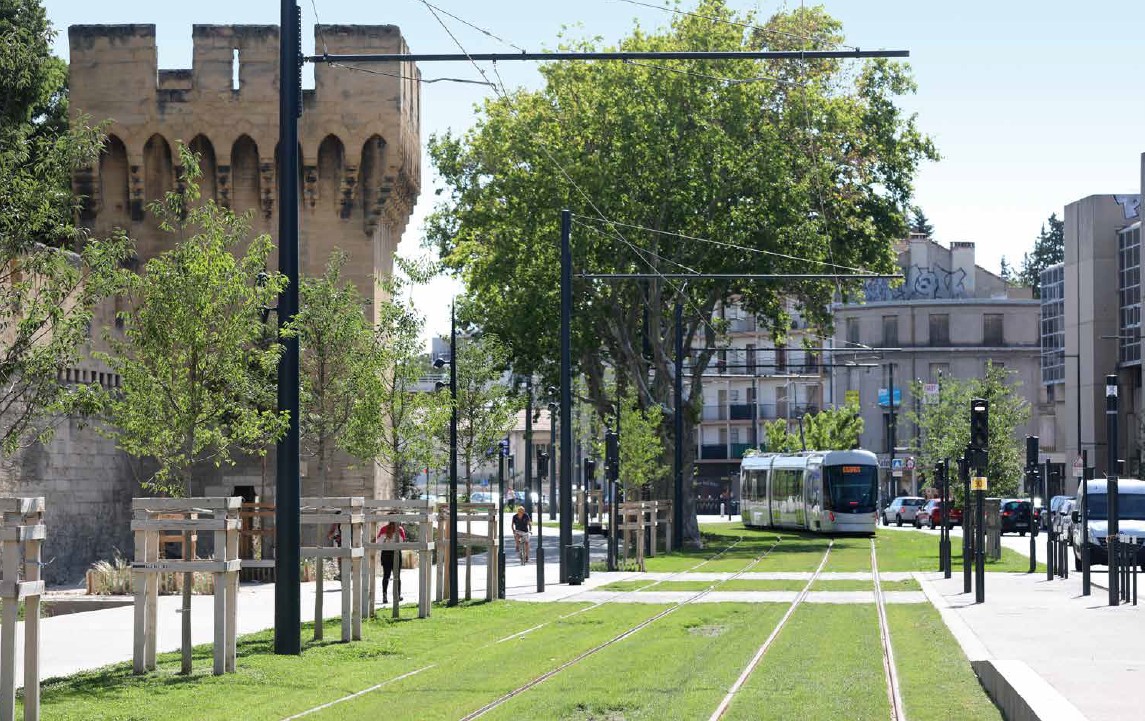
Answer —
821 491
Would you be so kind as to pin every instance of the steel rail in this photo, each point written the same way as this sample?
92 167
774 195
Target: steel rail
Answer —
751 666
894 694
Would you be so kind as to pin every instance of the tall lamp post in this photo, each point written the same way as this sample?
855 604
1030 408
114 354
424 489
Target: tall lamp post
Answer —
554 408
438 363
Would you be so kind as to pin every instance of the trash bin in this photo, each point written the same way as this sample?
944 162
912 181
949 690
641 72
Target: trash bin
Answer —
574 563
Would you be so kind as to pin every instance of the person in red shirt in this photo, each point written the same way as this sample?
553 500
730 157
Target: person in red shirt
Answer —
392 532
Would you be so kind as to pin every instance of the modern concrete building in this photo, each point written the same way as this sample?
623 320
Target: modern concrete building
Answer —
1101 333
947 319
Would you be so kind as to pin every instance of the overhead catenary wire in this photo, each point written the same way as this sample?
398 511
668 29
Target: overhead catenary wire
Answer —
400 76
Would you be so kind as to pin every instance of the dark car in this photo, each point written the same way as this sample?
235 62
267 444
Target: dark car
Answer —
1016 516
931 515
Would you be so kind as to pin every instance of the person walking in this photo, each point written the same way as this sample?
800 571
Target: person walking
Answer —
392 532
522 527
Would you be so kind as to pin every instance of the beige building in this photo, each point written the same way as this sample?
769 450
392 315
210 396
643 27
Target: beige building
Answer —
947 319
360 165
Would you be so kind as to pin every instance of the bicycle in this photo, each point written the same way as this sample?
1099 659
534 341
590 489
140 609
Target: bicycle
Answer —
522 539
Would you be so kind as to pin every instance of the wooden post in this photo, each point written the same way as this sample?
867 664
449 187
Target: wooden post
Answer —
22 531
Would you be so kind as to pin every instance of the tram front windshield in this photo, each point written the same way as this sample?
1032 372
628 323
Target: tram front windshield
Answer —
851 489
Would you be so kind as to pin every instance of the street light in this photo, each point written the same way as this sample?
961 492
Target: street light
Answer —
439 363
554 408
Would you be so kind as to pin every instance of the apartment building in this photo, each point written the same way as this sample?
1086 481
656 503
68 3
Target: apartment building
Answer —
947 319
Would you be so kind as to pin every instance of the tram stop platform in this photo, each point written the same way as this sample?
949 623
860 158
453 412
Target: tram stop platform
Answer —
1043 650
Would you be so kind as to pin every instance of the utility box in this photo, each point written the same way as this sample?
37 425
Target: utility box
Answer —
994 529
575 563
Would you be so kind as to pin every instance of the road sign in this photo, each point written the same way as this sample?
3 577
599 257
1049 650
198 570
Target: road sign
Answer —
885 397
896 467
930 393
978 483
1078 468
910 463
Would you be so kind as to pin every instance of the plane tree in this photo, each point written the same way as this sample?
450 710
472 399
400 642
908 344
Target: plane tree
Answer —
730 166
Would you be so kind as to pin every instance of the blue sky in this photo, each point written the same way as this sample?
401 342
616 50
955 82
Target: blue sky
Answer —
1032 104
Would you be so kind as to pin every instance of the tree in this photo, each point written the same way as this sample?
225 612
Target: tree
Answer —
342 365
828 430
641 448
194 363
51 275
944 426
834 428
919 223
1049 249
1006 272
486 409
413 420
804 166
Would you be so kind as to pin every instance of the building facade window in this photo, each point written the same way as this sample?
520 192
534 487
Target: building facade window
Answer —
939 329
993 329
890 331
1129 295
1053 324
750 352
853 331
780 358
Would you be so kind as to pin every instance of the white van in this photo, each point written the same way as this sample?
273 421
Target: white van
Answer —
1130 514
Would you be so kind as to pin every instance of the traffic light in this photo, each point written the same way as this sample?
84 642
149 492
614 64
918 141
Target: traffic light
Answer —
612 455
542 463
979 430
589 470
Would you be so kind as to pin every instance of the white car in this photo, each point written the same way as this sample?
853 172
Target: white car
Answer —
1130 515
903 508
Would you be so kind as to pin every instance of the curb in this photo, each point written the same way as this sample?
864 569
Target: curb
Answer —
1015 688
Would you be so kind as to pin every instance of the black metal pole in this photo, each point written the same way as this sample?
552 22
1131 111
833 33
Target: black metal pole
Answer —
893 430
980 547
566 480
678 430
453 596
1114 525
1049 523
947 499
1085 578
967 521
609 55
541 530
529 504
1031 483
585 483
501 521
288 490
553 460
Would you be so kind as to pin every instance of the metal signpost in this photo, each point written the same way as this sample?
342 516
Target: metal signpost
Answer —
1085 578
967 523
980 444
1031 487
1113 526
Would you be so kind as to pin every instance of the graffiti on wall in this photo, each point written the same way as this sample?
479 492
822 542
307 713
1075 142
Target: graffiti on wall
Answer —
920 283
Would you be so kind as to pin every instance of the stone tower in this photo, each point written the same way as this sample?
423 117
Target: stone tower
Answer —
358 138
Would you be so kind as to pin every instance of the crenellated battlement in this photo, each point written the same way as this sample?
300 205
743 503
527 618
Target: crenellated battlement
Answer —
359 135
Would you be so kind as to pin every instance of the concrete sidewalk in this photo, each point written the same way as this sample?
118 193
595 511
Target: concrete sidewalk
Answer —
1043 650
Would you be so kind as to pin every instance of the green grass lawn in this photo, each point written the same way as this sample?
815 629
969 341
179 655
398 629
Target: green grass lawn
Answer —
935 679
461 641
678 668
825 664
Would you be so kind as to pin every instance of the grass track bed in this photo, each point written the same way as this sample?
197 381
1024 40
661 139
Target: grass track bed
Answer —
932 667
678 668
267 686
825 664
465 683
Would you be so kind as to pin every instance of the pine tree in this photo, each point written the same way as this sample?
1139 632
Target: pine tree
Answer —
919 223
1049 250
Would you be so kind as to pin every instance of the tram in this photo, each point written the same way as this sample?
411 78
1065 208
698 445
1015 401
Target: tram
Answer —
819 491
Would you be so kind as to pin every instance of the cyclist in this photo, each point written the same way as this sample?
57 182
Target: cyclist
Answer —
522 526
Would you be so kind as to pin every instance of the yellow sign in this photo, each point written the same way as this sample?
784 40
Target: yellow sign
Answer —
978 483
851 397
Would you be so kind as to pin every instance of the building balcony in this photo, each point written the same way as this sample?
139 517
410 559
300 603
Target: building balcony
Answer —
742 411
713 452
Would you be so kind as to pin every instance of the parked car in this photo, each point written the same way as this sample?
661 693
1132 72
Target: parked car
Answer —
930 515
903 508
481 497
1016 515
1053 520
1130 515
1065 519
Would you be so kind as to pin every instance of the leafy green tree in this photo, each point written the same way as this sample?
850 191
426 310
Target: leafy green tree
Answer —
1049 249
342 367
834 428
794 164
919 223
413 420
778 438
51 276
486 407
944 426
641 448
1006 272
195 368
